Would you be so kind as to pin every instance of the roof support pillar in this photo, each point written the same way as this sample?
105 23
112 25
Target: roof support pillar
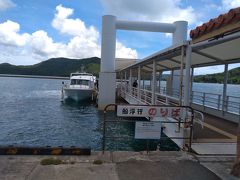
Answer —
187 76
121 79
224 99
159 82
180 93
139 82
170 91
125 85
130 81
191 87
154 83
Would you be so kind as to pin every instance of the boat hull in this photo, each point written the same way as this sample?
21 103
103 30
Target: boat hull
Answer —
77 94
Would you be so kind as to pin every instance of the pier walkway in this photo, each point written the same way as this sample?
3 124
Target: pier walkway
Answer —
216 115
211 135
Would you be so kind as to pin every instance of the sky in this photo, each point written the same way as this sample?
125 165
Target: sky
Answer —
32 31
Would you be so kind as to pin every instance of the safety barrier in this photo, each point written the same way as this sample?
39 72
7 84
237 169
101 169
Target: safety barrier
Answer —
181 123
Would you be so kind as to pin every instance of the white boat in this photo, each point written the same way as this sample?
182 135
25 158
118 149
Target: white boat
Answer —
81 87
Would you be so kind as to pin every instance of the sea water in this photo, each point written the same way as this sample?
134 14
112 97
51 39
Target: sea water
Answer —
32 114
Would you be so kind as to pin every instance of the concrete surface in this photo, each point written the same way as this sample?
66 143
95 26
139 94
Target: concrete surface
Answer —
117 166
215 148
220 165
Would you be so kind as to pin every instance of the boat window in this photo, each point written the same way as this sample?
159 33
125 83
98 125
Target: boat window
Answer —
73 81
79 82
84 82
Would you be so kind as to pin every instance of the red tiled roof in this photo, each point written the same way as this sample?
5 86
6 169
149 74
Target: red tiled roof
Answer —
232 16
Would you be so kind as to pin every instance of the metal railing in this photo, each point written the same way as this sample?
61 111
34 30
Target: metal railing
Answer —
213 100
110 133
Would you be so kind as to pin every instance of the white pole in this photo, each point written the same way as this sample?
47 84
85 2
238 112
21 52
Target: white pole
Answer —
187 76
130 81
154 83
139 82
121 85
191 88
180 33
108 43
224 99
146 26
125 76
171 83
107 75
180 93
160 77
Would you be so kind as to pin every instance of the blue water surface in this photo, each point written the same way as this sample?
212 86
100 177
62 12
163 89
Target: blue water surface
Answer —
32 114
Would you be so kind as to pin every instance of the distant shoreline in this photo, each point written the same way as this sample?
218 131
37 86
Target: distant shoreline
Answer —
34 76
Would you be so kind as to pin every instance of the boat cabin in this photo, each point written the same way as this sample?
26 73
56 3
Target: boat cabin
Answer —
84 80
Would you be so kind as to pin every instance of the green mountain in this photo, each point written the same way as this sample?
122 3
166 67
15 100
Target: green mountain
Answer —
233 77
54 67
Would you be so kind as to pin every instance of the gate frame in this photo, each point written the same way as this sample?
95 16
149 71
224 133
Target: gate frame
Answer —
188 123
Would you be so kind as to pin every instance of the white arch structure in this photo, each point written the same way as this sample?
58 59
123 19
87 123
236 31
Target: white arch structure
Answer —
107 76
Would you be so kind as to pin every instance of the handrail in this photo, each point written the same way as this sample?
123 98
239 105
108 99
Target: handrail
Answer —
215 100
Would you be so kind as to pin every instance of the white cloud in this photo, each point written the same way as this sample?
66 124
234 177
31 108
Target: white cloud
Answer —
73 27
9 34
124 52
80 47
154 10
6 4
43 46
229 4
83 41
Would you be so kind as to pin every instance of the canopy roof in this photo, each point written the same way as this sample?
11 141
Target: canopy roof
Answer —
215 51
213 43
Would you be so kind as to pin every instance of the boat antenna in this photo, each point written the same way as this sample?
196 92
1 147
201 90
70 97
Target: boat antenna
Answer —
82 69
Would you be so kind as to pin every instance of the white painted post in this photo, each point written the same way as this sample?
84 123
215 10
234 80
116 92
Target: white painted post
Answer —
125 86
139 83
224 100
154 83
186 101
191 86
130 82
159 82
108 43
187 76
180 33
107 75
121 84
150 85
171 84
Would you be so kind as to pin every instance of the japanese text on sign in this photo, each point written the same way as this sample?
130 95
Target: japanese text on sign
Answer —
147 130
148 111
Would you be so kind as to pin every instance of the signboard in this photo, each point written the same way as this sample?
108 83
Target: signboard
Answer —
148 111
147 130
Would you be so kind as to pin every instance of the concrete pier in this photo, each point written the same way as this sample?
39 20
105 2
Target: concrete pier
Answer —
118 166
